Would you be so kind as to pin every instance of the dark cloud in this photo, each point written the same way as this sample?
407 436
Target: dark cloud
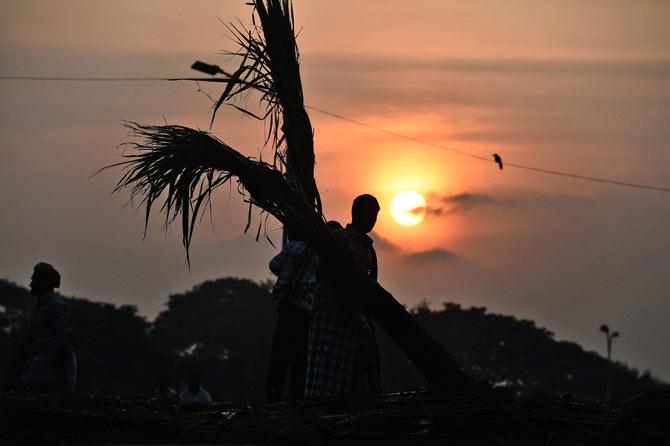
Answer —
457 204
467 201
432 256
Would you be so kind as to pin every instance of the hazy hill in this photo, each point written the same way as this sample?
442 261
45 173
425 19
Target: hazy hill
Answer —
223 330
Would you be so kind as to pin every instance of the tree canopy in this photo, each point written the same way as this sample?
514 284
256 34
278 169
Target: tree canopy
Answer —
222 329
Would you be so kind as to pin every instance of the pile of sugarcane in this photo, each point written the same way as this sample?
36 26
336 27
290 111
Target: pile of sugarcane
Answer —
82 419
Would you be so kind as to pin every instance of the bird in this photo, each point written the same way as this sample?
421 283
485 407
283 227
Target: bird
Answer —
498 160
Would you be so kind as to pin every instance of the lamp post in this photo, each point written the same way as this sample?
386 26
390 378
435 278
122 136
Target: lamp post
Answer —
207 68
610 336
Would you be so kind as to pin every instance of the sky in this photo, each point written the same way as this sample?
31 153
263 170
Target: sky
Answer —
575 86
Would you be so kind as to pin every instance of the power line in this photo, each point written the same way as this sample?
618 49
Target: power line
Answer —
488 159
589 178
399 135
114 79
359 123
84 79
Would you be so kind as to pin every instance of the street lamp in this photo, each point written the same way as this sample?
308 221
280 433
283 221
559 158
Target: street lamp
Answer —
207 68
610 338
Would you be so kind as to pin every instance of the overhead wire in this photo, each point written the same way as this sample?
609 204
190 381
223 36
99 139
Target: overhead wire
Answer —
490 159
362 124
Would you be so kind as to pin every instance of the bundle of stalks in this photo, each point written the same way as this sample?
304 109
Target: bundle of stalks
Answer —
187 165
269 64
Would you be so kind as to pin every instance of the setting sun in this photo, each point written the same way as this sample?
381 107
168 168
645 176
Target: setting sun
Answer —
408 208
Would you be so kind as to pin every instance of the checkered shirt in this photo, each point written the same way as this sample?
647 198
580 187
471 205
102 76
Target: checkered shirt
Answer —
343 358
295 267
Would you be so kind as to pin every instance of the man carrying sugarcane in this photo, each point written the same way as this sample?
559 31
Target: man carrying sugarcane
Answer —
53 364
292 296
343 354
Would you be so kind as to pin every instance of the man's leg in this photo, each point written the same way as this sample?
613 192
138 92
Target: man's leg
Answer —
299 340
331 361
279 356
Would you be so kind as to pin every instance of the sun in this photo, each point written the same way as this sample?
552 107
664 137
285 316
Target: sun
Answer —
408 208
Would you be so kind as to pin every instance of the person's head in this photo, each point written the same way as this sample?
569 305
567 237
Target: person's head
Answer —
364 212
44 279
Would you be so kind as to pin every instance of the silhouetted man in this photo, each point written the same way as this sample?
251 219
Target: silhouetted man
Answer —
292 296
194 392
343 354
53 364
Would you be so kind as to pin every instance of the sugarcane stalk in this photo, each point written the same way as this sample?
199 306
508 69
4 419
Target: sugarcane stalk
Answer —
188 165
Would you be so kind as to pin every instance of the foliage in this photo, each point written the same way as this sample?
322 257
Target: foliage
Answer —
18 332
506 351
113 347
223 330
230 326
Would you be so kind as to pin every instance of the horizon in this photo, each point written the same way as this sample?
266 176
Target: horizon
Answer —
541 86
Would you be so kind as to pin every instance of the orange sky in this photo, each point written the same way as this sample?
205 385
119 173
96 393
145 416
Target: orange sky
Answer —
570 85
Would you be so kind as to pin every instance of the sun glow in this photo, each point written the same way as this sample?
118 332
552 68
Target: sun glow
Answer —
408 208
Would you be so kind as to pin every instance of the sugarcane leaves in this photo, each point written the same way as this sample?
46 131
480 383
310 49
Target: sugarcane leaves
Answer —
182 167
253 115
255 69
225 94
238 79
173 162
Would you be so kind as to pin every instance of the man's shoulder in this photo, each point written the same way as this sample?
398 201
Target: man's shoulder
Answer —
53 303
340 234
357 238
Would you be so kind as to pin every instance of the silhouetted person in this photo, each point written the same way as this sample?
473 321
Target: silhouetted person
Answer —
343 354
292 296
194 392
53 364
164 392
498 160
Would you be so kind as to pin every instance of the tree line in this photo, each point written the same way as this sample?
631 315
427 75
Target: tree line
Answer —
222 329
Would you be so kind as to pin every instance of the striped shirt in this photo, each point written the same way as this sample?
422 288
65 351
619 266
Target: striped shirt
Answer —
295 267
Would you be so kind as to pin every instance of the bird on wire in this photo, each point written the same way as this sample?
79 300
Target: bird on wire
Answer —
498 160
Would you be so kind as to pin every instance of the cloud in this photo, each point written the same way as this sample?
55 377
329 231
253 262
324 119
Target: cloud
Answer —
458 204
432 256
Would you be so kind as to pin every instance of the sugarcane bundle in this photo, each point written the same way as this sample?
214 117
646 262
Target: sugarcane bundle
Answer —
269 64
185 166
